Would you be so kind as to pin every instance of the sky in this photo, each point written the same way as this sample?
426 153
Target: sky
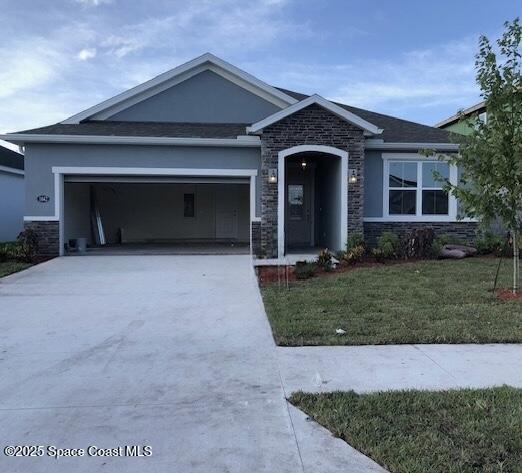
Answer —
408 58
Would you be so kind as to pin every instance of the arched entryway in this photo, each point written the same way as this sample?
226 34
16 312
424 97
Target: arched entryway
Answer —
312 198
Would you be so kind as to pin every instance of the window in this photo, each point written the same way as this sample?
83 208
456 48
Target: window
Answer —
414 188
434 200
296 201
188 205
402 183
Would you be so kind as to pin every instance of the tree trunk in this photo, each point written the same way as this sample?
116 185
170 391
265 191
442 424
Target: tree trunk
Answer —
516 261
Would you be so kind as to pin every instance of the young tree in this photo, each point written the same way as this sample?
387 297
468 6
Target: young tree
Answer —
490 159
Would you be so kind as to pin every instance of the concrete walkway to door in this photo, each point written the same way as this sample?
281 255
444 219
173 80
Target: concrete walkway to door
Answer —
173 352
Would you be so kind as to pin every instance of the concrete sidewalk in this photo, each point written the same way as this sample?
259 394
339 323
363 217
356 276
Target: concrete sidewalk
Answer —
387 367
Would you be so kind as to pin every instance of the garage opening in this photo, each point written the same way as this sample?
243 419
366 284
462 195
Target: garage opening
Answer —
157 215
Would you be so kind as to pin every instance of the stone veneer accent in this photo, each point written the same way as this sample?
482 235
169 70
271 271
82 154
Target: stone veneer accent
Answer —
465 231
312 125
48 233
256 238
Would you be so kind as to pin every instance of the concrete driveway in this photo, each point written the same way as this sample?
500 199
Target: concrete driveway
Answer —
172 352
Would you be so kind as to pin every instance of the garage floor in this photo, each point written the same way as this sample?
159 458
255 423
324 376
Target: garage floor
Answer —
214 248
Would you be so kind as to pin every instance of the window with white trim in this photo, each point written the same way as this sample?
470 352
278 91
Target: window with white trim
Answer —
414 190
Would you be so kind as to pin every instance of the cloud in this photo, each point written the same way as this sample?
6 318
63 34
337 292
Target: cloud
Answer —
48 74
416 84
26 66
441 77
93 3
86 54
229 25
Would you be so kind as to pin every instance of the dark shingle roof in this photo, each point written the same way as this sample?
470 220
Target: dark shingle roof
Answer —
11 159
396 130
155 129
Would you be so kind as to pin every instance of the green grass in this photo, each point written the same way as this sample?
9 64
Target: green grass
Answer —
422 302
10 267
467 431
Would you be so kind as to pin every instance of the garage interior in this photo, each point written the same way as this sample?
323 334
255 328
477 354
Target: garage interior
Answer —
157 215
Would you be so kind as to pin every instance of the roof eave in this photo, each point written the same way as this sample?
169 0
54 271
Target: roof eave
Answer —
455 118
240 141
413 146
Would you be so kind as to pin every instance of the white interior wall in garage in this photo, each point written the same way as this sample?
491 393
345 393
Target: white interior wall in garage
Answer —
154 211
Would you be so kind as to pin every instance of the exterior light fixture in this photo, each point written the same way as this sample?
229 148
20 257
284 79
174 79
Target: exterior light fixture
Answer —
272 175
352 176
303 164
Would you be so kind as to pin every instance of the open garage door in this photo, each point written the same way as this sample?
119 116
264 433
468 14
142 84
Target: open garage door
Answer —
149 214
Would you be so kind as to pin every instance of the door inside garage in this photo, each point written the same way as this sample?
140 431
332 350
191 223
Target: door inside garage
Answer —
157 214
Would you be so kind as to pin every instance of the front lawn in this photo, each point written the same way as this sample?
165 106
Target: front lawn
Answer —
422 302
10 267
467 431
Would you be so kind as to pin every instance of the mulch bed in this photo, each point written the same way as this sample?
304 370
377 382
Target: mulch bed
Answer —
279 274
508 294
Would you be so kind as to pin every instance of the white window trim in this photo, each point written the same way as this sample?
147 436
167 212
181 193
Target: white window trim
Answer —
419 216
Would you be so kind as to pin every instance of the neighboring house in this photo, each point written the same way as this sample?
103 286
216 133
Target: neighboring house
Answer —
12 194
206 152
458 123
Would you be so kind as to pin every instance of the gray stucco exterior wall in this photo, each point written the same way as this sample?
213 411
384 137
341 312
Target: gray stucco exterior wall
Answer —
373 170
40 158
12 199
204 98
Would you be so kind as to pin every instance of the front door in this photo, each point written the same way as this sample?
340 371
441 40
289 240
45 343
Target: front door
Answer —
298 211
226 214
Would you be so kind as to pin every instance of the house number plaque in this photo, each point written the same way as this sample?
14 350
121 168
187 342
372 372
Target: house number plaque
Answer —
43 198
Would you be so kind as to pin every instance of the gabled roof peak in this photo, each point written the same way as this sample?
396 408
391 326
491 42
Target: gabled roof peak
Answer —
207 61
367 127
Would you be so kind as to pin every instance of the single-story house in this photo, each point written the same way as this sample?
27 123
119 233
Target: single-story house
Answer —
209 153
12 194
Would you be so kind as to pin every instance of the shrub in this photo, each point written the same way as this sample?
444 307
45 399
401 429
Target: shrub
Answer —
324 260
10 250
341 255
418 243
389 246
354 240
28 243
304 270
491 243
378 254
355 254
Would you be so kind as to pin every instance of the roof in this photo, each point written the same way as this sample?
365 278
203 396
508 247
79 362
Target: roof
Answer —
395 130
156 129
11 159
95 121
478 107
207 61
341 112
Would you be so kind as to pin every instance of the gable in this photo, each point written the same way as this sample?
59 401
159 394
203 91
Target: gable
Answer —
317 101
204 98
